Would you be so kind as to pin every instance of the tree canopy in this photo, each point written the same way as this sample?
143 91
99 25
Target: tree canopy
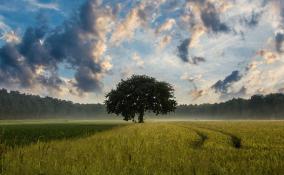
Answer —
138 94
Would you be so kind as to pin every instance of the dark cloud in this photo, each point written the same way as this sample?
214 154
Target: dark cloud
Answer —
85 80
183 50
211 19
52 81
13 68
253 20
196 60
74 43
222 86
279 38
184 55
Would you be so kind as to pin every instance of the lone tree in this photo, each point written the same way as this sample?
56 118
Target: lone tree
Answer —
139 94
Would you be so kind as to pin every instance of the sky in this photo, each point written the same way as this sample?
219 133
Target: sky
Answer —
209 50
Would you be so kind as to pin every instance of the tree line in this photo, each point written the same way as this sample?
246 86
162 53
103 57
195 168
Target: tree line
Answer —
269 106
15 105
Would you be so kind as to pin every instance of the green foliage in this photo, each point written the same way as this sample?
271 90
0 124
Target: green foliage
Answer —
139 94
14 105
159 148
270 106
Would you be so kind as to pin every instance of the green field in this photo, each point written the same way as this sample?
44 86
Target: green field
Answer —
196 147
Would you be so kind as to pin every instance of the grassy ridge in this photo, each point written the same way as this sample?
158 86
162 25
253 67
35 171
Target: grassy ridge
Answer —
159 148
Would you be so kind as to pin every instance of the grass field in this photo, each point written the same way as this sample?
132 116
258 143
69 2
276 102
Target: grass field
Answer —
200 147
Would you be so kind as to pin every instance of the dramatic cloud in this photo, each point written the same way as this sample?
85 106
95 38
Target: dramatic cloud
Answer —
79 42
183 50
184 55
223 85
211 19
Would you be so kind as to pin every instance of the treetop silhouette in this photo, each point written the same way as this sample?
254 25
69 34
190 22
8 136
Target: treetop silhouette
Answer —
138 94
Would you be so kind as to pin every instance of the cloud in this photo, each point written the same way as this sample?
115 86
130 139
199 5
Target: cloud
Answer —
37 4
165 41
275 13
7 34
191 79
10 37
3 27
197 32
80 42
139 62
279 38
126 72
196 60
183 50
262 78
168 25
211 19
125 30
222 86
253 20
184 55
195 94
270 57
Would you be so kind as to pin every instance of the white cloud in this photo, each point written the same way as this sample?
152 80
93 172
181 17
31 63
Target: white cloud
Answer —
168 25
125 30
10 37
37 4
138 60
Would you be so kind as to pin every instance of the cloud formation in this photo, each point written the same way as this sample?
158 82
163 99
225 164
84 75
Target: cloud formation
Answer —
211 19
80 43
125 30
91 49
222 86
184 55
183 50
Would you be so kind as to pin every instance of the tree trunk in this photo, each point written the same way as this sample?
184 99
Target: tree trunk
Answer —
140 117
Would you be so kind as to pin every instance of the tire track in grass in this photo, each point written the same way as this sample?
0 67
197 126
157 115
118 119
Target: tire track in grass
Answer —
236 141
203 137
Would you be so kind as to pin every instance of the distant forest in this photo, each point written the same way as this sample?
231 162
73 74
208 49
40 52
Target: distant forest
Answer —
14 105
269 106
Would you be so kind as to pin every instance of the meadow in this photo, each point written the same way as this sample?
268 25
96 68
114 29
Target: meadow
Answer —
193 147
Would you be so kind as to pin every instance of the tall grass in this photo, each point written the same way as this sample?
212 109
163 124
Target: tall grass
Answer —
158 148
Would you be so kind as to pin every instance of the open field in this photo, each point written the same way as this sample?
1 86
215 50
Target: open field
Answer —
196 147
